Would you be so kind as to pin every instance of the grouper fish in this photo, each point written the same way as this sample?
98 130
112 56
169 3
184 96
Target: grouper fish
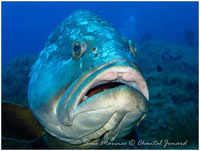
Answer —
85 85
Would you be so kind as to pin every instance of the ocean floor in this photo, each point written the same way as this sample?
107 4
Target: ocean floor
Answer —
171 72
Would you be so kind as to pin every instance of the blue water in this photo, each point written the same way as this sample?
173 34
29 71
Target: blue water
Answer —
26 25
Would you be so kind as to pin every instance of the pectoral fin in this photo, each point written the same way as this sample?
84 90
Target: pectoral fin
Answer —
19 124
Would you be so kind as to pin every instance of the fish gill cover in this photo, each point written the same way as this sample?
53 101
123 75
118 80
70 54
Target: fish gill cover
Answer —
167 55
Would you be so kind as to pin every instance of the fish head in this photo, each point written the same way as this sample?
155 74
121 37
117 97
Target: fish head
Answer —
85 84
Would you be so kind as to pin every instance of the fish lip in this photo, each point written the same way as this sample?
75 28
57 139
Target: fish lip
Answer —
119 78
132 84
66 110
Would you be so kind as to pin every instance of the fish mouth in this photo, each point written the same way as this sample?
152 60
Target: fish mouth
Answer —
102 86
115 77
104 78
111 80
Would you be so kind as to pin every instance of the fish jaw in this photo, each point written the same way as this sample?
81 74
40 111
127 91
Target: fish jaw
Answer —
129 100
105 116
120 108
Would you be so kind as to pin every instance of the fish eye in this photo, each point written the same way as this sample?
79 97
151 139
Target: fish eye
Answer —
77 48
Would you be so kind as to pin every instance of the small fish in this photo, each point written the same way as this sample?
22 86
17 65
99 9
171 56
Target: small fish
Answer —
85 86
159 68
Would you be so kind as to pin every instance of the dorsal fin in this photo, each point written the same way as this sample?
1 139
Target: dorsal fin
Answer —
19 124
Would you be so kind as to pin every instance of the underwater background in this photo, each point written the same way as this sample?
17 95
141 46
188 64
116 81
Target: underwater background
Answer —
166 34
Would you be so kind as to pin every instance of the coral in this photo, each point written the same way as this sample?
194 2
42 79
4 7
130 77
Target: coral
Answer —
173 111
